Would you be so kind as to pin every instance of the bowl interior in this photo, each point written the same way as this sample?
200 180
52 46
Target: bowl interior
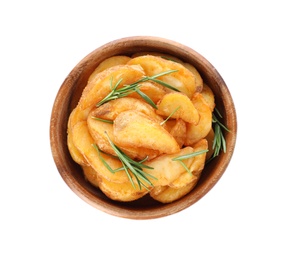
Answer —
68 97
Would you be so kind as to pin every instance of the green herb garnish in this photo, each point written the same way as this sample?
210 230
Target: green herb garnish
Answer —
102 120
219 142
132 168
135 87
187 156
172 113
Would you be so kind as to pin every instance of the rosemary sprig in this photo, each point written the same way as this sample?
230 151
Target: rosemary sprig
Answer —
116 93
145 97
219 142
132 168
156 76
103 120
189 155
172 113
135 87
186 156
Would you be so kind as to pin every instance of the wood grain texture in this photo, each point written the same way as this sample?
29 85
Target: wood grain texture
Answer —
69 94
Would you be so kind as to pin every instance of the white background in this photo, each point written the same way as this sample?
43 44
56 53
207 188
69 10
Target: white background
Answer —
243 217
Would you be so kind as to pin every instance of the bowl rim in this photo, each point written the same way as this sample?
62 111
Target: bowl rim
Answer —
100 53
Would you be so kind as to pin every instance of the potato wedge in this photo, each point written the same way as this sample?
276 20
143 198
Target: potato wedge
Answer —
100 86
208 95
199 161
177 128
159 54
180 103
84 143
108 63
197 132
78 115
120 191
90 175
198 78
99 131
165 169
157 190
112 109
153 90
195 168
74 152
183 79
133 128
167 194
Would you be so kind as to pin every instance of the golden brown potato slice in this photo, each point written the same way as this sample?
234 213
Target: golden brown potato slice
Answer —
157 190
165 169
121 191
74 152
78 115
159 54
108 63
195 168
199 161
84 143
177 128
183 79
133 128
100 86
90 175
112 109
198 78
153 90
99 131
180 103
167 194
208 95
197 132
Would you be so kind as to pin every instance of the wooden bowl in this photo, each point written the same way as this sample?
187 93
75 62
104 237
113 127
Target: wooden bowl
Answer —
69 94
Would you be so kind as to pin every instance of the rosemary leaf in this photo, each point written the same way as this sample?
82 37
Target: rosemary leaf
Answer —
223 142
163 73
129 176
186 156
218 112
219 142
217 121
103 120
172 113
166 58
117 83
164 84
185 167
146 98
102 159
145 159
149 175
190 155
142 176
